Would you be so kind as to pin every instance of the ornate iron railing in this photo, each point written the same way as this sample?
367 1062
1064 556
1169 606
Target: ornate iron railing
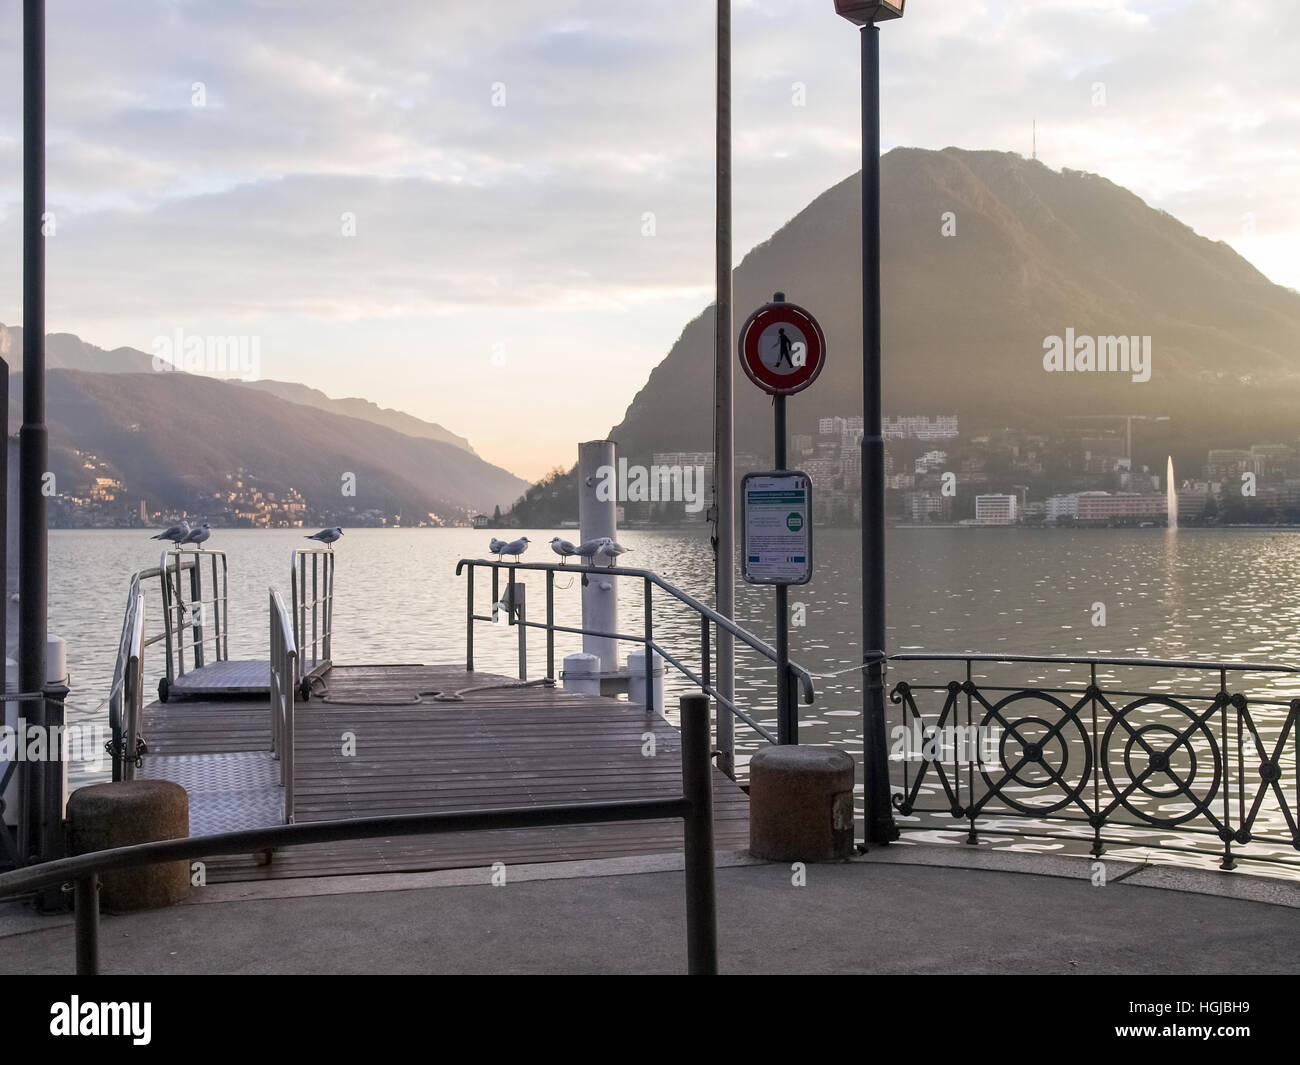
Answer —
1203 771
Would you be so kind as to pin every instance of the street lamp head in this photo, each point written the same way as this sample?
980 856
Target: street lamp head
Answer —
866 12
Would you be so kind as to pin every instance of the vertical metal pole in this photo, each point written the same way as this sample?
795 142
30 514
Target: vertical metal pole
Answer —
649 649
496 592
197 610
787 721
33 441
315 603
86 902
517 603
724 502
598 516
879 826
469 619
697 787
550 624
49 831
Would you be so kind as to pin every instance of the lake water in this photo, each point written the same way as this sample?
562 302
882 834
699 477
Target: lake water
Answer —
1211 594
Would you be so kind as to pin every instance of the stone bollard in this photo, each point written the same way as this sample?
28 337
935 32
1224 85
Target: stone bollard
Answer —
801 804
102 816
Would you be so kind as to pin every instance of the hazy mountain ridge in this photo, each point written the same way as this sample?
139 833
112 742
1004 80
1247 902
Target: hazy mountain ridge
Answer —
173 437
65 351
1035 252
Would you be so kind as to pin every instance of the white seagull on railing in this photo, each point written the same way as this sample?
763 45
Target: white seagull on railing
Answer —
588 548
327 536
515 547
495 547
197 536
563 548
611 550
175 534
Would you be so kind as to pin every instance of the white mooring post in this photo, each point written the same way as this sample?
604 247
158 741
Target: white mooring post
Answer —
598 516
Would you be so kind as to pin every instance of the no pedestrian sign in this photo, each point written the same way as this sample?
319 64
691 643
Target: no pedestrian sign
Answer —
782 348
777 521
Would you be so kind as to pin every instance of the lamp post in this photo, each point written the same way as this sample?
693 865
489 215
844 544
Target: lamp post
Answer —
879 826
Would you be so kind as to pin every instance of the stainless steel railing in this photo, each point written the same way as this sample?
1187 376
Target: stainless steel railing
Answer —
798 678
284 656
126 698
204 616
312 597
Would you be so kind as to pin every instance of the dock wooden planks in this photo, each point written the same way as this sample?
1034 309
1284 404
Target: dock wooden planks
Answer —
368 745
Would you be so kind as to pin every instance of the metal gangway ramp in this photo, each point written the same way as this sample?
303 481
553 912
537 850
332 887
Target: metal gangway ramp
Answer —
196 624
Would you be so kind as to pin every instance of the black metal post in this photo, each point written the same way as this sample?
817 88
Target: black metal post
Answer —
86 919
697 787
879 827
49 828
32 439
787 724
469 619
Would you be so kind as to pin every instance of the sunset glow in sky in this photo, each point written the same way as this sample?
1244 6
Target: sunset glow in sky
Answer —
502 163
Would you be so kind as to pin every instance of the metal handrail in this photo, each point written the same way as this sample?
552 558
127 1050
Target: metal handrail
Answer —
1090 660
1095 753
175 607
798 676
694 806
283 682
314 654
126 698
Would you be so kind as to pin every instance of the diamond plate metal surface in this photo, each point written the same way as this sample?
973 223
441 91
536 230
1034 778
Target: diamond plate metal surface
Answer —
228 792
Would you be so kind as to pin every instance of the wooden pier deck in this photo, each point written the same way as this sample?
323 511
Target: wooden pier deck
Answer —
368 745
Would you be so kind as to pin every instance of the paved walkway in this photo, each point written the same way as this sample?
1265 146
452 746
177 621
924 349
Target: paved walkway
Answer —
878 915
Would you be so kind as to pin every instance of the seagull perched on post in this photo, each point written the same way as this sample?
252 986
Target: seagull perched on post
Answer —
197 536
495 547
327 536
610 550
175 533
563 548
515 547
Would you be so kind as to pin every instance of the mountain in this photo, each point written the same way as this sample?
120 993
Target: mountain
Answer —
397 420
1035 251
64 351
172 437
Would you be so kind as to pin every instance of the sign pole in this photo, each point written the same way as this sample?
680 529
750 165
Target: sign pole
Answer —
787 723
782 349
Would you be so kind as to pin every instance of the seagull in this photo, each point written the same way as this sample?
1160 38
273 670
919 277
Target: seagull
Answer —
327 536
515 547
588 548
611 550
563 548
175 534
197 535
495 547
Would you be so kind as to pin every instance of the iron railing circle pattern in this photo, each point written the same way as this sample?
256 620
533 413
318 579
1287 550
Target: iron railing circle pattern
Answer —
1196 765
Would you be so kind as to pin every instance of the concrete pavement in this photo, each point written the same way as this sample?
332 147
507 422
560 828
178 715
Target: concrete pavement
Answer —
900 910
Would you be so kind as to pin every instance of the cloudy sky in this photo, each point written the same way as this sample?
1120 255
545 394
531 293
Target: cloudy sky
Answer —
531 181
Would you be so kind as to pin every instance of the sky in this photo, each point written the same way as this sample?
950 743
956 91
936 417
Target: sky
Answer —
498 215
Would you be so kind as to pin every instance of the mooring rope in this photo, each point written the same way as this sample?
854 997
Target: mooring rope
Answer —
320 690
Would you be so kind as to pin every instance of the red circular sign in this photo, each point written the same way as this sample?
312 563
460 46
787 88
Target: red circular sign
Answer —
782 348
